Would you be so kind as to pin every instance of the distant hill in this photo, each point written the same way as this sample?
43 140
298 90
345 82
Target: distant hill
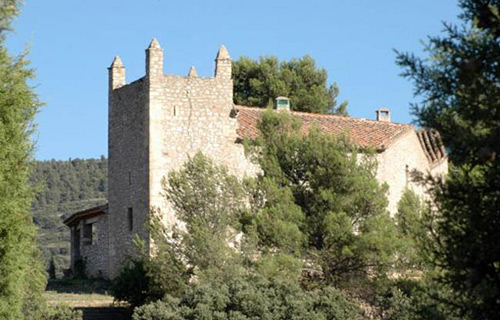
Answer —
64 187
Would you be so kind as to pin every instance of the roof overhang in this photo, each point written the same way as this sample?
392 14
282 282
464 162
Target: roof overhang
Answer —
76 217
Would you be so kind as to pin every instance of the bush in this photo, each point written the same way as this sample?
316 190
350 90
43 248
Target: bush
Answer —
60 312
132 284
405 299
251 298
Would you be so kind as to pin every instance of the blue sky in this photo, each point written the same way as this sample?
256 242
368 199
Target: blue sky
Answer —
73 42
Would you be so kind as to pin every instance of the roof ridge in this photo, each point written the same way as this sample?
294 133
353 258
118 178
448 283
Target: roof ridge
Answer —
326 115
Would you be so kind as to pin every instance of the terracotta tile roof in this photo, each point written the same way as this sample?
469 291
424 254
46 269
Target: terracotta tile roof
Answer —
431 142
86 214
365 133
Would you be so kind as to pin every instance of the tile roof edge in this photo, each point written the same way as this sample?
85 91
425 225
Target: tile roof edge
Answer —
409 129
321 115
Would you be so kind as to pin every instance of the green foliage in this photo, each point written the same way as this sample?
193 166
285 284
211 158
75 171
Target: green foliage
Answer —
275 218
397 306
21 274
63 188
467 238
280 267
346 224
258 83
413 219
60 312
240 247
164 271
459 86
414 300
251 298
409 213
132 284
209 202
9 9
69 181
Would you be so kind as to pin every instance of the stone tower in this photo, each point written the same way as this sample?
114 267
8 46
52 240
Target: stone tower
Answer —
155 124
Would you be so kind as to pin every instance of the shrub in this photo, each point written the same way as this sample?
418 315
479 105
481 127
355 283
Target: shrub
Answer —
405 299
60 312
132 284
251 298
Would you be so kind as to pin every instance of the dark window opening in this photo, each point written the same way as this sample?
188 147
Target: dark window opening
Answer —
77 243
130 217
89 234
407 175
129 178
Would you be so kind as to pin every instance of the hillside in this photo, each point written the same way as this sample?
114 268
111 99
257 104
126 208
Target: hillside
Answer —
64 187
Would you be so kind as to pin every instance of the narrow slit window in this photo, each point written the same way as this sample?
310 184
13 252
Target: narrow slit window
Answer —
130 218
129 178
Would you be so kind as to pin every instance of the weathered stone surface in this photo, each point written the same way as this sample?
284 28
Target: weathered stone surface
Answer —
155 124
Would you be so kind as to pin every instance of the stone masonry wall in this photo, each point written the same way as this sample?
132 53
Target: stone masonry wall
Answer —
96 255
191 114
128 169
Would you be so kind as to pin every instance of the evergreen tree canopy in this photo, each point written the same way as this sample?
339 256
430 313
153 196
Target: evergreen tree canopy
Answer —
209 201
21 274
63 188
460 88
259 82
344 220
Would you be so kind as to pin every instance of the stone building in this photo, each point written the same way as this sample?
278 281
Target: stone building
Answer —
159 120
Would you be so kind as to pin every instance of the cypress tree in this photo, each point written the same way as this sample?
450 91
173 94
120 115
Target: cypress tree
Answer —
21 275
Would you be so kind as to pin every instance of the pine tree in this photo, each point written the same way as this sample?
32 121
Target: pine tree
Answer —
259 82
21 276
336 201
460 89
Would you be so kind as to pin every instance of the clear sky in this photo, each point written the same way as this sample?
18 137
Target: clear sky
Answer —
72 42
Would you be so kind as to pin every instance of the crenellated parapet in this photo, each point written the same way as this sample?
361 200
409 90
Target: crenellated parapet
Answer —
155 124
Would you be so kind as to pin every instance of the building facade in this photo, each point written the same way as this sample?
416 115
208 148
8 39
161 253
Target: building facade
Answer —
158 121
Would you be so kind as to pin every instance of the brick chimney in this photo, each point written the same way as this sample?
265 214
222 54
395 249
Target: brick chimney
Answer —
383 115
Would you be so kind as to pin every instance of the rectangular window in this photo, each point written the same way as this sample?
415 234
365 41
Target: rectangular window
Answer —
88 233
130 218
